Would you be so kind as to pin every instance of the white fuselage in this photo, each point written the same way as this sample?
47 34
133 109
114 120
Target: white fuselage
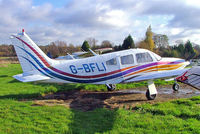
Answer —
117 67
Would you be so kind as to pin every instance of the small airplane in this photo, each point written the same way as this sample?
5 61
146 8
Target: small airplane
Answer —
71 56
125 66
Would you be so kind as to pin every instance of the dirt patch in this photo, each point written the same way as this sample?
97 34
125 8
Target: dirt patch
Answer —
88 100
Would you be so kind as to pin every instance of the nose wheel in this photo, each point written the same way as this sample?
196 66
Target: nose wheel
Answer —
176 87
149 96
111 87
151 91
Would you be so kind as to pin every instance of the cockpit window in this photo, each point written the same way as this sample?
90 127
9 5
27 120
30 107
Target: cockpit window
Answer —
143 57
111 62
128 59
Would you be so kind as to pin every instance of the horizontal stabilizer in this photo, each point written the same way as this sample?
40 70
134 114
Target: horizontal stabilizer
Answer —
30 78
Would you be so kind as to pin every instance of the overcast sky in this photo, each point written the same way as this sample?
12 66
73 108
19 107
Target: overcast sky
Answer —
74 21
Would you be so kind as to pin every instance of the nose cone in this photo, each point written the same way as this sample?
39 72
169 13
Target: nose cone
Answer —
187 63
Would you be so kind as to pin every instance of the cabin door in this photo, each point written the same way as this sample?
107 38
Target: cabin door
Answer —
126 63
113 74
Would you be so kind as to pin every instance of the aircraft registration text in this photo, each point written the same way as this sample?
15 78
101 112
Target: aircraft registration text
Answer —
90 67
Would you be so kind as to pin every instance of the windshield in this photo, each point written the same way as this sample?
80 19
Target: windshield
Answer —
156 56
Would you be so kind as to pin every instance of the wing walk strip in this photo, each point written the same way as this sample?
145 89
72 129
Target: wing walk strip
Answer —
126 71
195 80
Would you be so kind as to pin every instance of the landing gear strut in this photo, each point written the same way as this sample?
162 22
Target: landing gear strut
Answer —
111 87
151 91
175 87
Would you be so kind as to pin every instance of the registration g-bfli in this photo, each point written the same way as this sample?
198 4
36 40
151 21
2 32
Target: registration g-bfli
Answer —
90 67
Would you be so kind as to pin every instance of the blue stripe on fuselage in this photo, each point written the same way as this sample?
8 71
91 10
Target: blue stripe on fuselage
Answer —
67 78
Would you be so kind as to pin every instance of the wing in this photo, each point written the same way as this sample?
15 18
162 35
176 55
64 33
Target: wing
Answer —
191 77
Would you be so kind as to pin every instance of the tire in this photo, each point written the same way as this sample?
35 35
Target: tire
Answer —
112 87
175 87
150 97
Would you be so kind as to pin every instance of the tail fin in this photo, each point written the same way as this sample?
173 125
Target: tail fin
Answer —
30 56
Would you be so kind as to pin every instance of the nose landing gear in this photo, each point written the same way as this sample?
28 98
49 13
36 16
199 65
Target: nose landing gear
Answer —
151 91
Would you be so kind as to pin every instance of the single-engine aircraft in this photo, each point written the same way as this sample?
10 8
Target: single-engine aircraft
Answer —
125 66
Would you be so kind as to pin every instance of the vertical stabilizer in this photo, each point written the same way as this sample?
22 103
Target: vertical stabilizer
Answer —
30 56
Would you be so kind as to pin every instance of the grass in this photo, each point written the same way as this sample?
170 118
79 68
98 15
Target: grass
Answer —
19 117
181 116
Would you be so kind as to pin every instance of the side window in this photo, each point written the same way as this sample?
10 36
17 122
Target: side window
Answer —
128 59
143 57
111 62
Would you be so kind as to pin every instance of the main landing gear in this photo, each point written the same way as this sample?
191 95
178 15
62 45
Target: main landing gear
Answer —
176 86
111 87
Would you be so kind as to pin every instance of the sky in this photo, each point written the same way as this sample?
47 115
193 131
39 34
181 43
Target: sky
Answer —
73 21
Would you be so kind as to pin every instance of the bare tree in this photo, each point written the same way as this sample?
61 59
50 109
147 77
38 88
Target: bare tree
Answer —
106 43
92 42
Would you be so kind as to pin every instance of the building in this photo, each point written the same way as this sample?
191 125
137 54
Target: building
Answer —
101 50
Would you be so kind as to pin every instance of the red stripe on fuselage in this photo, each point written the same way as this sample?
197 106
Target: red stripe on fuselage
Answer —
68 74
91 76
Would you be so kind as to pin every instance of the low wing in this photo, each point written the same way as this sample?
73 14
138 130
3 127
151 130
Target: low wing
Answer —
191 77
30 78
157 75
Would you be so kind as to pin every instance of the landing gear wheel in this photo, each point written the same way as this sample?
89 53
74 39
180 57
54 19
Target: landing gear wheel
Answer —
150 97
112 87
176 87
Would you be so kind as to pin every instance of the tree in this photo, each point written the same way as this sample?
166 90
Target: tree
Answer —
85 46
180 50
166 38
128 43
143 44
197 51
7 50
92 42
105 44
53 50
149 39
189 51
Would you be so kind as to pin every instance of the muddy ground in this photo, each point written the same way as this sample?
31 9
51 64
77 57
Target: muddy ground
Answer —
88 100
